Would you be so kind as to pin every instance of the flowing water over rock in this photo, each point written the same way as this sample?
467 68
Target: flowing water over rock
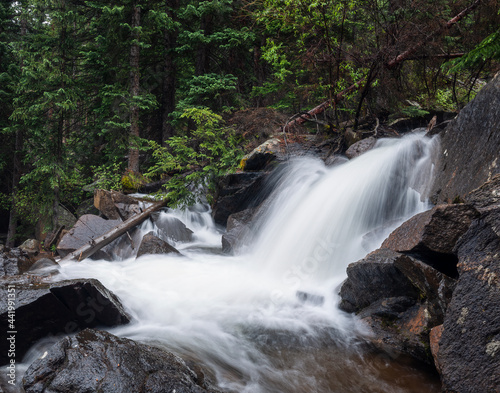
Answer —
266 320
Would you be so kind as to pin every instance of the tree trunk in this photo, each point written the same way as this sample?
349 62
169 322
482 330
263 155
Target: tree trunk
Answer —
133 158
91 248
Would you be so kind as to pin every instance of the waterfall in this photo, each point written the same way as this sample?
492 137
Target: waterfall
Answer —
240 316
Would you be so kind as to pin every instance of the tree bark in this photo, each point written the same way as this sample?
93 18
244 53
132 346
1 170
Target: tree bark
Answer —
133 158
91 248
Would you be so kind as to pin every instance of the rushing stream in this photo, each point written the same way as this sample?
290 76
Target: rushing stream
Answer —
240 316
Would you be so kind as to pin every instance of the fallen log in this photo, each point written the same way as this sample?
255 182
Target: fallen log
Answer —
406 55
96 244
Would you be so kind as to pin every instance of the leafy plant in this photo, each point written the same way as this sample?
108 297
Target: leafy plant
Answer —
197 160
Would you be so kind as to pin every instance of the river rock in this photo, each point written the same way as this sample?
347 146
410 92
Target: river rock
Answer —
14 262
400 299
469 348
97 361
43 309
486 200
172 228
31 247
237 192
432 235
373 278
115 205
152 244
238 226
470 153
360 147
87 228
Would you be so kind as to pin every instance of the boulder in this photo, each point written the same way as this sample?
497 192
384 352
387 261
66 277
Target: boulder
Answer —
115 205
469 348
31 247
64 307
152 244
432 235
360 147
238 226
97 361
87 228
434 339
470 153
87 207
237 192
399 298
374 278
172 228
14 262
261 156
486 200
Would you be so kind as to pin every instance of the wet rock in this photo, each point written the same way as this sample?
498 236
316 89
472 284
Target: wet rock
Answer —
432 235
88 228
399 298
374 278
65 307
151 244
310 298
237 192
172 228
360 147
97 361
434 338
44 267
14 261
486 200
469 349
335 160
238 226
261 156
469 145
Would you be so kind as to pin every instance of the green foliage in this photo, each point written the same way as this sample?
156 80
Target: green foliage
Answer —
197 160
108 176
488 49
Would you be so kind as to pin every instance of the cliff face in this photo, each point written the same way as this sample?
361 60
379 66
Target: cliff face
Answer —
470 147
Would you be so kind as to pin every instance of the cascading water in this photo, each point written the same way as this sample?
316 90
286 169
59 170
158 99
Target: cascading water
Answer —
240 317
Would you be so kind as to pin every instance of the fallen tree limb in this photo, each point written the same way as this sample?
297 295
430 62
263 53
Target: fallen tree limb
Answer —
96 244
391 64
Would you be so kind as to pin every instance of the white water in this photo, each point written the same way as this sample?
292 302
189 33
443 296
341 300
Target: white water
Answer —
239 316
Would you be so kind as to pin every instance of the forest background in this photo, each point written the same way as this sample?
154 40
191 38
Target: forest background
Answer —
115 94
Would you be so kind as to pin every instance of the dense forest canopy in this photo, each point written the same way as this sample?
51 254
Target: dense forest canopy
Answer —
123 92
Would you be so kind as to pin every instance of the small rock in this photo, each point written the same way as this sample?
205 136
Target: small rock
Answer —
151 244
261 156
360 147
434 338
31 246
172 228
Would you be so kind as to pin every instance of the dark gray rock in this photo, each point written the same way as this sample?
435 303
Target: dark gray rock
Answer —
470 153
172 228
151 244
238 226
400 298
486 200
469 347
237 192
97 361
374 278
88 228
360 147
87 207
432 235
14 262
65 307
